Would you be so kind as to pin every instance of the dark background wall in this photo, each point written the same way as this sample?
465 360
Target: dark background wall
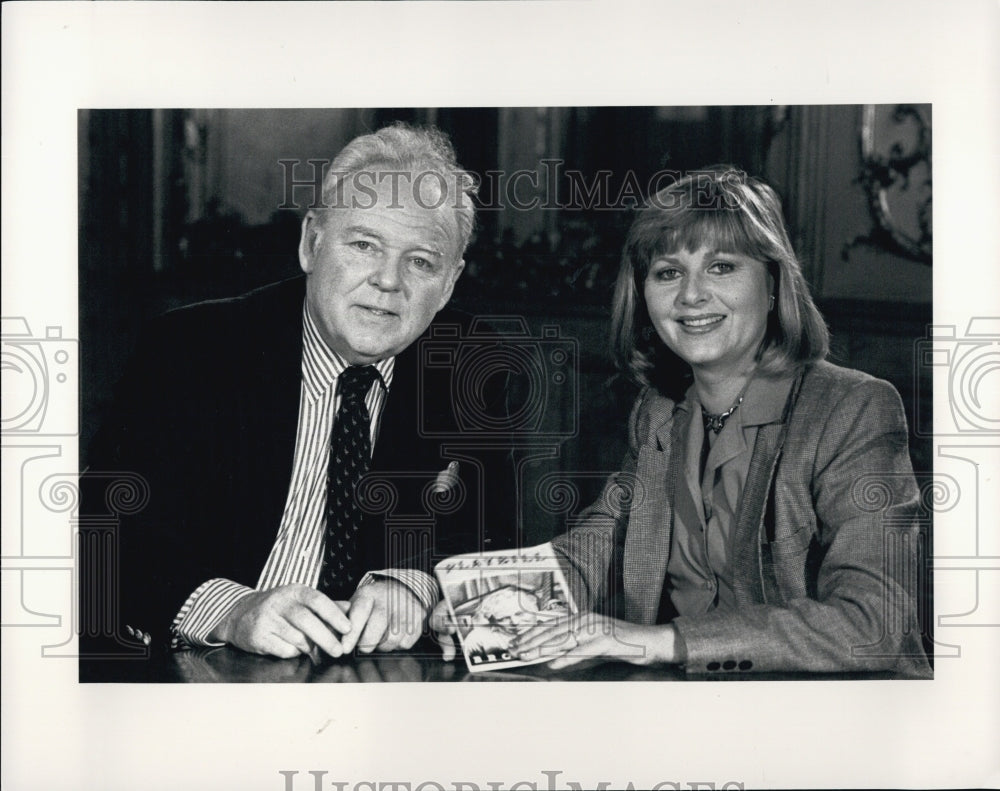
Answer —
182 205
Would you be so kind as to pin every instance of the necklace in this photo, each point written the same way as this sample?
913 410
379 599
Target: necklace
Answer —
715 423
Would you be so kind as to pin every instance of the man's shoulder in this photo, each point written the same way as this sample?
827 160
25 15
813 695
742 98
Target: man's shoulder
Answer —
456 328
450 319
257 319
275 299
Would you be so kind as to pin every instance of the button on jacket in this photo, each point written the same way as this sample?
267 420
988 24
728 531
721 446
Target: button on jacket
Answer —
823 551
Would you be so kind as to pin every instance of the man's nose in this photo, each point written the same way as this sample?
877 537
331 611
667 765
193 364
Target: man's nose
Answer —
387 274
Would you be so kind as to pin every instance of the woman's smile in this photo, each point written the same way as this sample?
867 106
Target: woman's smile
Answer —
710 307
700 324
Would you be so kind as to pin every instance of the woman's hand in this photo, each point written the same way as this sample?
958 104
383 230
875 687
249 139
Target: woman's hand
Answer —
580 637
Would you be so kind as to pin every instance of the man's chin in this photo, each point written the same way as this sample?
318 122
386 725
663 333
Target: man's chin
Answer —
366 353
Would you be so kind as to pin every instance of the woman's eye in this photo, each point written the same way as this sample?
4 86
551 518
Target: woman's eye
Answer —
667 273
722 267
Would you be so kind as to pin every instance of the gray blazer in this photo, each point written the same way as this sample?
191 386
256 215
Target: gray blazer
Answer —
824 549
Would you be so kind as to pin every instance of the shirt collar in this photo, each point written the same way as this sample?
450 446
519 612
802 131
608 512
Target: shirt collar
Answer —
763 402
321 365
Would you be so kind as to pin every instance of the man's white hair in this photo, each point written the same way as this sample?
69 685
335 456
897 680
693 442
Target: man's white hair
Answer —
406 149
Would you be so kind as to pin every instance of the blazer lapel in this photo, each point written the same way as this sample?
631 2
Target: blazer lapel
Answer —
399 447
752 570
647 542
397 431
269 408
401 457
749 579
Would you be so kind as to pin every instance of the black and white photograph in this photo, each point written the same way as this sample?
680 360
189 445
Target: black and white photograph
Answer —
591 298
304 363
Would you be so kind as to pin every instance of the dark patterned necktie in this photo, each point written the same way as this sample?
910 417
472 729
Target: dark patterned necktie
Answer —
350 455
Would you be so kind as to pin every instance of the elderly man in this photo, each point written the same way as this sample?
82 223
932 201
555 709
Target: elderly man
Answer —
250 427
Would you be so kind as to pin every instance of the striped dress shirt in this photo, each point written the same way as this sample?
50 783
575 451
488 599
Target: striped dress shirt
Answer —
297 555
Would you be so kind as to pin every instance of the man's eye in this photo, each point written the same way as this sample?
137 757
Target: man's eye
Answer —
363 246
423 264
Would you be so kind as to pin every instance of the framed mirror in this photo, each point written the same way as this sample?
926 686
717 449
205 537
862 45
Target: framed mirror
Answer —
896 175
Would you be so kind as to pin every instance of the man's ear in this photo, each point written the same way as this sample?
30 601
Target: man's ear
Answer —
450 285
309 241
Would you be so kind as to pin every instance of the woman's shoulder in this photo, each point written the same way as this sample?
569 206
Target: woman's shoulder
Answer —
650 411
824 375
827 387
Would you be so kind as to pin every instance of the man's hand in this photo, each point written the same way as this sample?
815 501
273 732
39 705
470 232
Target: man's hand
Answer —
443 629
285 621
386 615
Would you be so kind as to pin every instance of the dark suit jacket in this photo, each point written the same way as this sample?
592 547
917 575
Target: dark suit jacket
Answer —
189 476
823 551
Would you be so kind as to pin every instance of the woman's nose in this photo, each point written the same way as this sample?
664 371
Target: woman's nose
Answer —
692 290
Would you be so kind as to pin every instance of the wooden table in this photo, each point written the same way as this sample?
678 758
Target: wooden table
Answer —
422 664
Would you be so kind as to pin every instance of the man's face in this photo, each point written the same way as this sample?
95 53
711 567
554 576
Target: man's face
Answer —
379 267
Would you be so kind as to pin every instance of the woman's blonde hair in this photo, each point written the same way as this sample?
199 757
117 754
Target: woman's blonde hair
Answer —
724 209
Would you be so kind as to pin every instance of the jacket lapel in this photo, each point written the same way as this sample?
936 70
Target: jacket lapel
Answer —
402 456
647 542
750 583
404 441
752 569
269 409
397 437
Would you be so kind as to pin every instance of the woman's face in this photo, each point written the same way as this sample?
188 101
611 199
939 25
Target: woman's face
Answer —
710 308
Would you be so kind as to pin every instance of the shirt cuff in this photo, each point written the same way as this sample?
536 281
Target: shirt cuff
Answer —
420 583
680 647
203 611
